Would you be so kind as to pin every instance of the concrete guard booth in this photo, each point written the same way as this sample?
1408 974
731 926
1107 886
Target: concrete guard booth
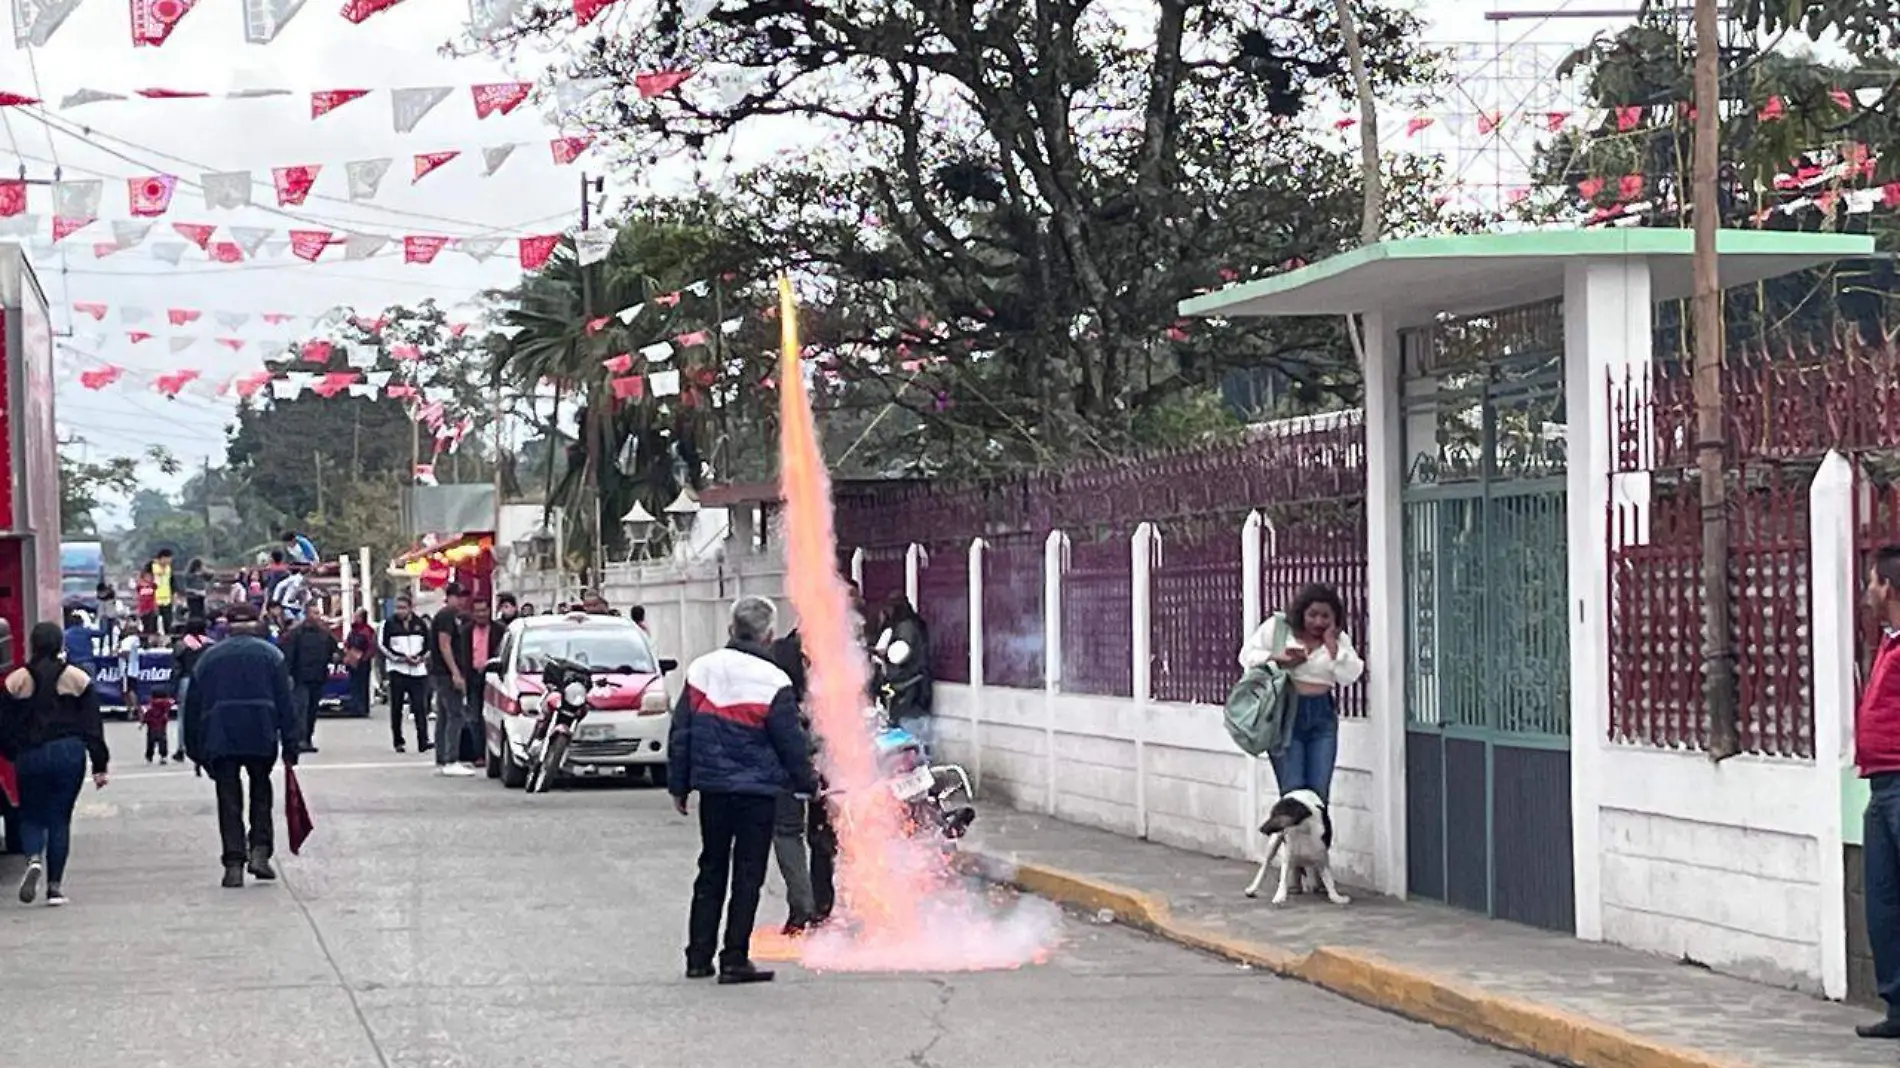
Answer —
1487 432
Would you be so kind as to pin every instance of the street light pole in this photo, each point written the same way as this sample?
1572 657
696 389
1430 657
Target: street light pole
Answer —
596 430
1719 684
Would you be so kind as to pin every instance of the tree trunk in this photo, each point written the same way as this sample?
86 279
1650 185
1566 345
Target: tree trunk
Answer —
1372 182
1372 211
1719 688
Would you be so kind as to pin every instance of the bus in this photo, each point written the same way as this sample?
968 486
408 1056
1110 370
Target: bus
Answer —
82 567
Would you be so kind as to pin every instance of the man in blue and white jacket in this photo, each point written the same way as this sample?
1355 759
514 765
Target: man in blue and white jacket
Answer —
735 739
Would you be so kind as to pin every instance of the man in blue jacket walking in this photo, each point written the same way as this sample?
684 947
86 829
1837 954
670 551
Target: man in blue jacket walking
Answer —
238 718
736 739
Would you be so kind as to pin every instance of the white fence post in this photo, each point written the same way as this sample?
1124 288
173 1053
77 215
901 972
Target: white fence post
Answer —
857 570
1055 560
916 558
369 586
1831 612
349 594
977 546
1146 549
1252 567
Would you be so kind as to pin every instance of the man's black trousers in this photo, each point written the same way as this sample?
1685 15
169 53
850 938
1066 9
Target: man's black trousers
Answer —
735 833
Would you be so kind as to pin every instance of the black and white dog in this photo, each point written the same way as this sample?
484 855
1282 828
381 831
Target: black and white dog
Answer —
1302 838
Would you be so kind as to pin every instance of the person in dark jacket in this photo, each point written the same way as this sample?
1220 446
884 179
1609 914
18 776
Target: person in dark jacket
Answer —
185 653
736 740
50 728
238 717
910 681
309 650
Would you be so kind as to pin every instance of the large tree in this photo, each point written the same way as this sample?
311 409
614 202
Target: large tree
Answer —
1005 202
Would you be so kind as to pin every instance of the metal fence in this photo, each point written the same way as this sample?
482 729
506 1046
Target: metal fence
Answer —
1784 409
1012 612
1305 476
1098 618
1194 619
943 599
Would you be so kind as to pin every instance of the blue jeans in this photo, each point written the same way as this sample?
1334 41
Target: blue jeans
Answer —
51 776
1880 854
1307 763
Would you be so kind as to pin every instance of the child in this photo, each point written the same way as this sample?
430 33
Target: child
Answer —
129 670
157 717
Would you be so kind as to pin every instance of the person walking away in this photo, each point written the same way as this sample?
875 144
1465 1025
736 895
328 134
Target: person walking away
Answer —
484 640
448 679
185 654
309 650
145 599
50 728
162 589
359 653
405 647
1877 755
910 682
238 718
1319 658
158 720
197 586
739 761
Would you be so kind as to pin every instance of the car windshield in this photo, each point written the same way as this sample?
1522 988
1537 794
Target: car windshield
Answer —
617 649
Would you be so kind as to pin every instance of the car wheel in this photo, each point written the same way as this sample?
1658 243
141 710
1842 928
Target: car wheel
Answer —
513 775
492 764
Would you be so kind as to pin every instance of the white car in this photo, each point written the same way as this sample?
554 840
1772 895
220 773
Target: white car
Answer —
628 709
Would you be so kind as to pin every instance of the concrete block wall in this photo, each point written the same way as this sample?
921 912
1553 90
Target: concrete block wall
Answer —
1189 789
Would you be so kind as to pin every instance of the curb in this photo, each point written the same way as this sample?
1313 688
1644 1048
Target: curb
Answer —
1507 1022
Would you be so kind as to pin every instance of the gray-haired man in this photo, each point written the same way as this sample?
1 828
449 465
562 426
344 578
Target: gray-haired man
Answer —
736 739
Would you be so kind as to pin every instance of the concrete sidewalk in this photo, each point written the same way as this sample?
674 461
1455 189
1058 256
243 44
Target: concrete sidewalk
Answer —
1542 993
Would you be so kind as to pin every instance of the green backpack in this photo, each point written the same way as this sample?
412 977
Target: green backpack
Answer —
1256 711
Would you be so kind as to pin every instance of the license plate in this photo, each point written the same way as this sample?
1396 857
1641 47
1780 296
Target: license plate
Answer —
914 784
597 733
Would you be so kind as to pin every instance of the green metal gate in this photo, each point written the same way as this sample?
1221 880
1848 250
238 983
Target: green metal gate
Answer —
1486 570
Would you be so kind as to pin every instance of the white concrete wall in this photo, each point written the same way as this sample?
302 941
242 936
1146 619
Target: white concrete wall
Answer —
1194 780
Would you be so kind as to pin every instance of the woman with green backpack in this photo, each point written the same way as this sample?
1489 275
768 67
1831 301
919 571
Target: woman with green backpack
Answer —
1306 642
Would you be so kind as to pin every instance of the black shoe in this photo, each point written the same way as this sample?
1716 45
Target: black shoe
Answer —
796 927
424 747
233 876
178 757
741 974
260 864
402 747
1887 1028
307 747
699 971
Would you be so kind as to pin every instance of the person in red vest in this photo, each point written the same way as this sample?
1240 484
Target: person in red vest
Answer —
1877 753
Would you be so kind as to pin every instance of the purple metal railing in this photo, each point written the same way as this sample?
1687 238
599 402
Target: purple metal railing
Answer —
1196 612
1098 639
1012 612
943 593
1320 543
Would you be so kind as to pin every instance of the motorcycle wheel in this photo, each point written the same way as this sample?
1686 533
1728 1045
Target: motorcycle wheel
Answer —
553 755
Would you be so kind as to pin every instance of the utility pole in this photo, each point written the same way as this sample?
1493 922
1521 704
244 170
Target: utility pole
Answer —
204 490
596 430
1719 685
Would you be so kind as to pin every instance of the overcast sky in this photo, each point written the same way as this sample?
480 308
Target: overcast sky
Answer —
318 50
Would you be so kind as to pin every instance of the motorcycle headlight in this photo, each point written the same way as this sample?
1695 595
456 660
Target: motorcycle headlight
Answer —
574 694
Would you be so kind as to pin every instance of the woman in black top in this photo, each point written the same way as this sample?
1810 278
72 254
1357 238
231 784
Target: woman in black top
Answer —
49 722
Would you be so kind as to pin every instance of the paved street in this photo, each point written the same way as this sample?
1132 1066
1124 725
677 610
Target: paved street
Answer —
453 923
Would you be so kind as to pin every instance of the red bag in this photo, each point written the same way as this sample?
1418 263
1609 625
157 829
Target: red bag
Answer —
296 814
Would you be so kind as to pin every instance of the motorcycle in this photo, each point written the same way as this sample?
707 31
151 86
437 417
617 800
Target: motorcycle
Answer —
927 791
566 685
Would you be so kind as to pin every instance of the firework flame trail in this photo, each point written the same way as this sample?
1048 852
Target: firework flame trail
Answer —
905 911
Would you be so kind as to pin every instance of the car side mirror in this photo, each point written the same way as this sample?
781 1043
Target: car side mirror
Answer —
668 665
493 667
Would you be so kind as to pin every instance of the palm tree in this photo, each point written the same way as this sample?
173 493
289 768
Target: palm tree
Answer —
643 450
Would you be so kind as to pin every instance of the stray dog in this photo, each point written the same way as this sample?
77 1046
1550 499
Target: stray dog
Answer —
1302 834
